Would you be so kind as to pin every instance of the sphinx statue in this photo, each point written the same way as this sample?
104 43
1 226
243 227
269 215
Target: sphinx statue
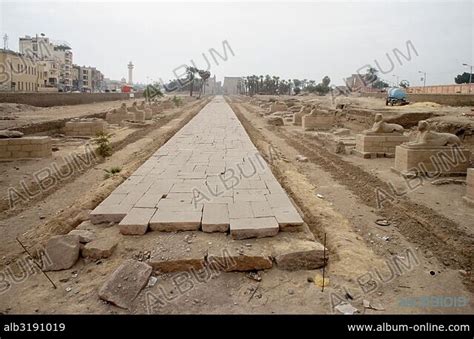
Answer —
298 116
426 137
134 108
381 126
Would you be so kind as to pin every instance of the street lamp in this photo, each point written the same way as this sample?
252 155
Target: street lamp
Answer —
424 78
470 76
394 75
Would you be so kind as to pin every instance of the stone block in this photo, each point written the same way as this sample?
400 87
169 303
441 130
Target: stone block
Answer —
444 160
215 218
245 228
62 252
298 254
171 221
109 213
229 259
317 122
369 145
100 248
136 221
179 260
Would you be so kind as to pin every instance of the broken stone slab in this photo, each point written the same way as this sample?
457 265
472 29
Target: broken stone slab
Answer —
229 258
85 236
298 254
179 259
62 252
100 248
124 285
136 221
245 228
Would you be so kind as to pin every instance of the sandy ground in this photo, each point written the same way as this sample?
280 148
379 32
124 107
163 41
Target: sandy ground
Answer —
397 269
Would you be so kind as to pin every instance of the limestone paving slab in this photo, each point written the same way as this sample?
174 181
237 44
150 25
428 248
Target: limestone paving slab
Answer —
209 175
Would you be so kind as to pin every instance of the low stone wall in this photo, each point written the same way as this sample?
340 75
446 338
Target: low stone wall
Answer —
84 127
62 99
314 122
442 99
378 144
26 147
469 197
443 160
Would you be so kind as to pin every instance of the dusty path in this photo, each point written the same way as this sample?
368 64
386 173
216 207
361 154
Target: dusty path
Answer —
346 189
48 210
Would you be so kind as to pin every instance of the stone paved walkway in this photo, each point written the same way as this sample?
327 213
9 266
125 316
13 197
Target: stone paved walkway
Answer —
208 176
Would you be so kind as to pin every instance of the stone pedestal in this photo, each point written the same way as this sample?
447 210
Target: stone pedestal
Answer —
469 197
139 116
317 122
298 118
116 117
84 127
373 145
278 106
25 148
432 161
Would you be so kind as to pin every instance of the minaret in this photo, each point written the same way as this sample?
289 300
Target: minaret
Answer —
130 73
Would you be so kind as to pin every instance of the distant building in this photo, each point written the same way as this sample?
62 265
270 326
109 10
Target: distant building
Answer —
213 87
56 58
231 85
356 82
112 85
20 73
87 79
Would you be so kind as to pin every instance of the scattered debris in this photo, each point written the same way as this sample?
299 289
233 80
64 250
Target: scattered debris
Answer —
152 281
372 306
346 308
254 276
301 158
383 222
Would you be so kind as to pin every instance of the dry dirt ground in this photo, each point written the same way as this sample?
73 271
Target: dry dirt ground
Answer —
415 265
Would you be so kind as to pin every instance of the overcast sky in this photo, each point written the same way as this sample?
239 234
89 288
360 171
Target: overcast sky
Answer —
292 40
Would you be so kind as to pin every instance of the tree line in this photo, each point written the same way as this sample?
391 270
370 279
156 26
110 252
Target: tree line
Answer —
275 85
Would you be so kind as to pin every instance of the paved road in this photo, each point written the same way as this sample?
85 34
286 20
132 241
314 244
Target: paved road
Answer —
209 176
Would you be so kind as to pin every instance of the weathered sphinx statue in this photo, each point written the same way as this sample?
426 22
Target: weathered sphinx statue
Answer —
426 137
134 108
381 126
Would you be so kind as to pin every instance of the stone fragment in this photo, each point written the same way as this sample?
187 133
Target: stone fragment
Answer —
124 285
85 236
62 252
100 248
297 254
229 259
